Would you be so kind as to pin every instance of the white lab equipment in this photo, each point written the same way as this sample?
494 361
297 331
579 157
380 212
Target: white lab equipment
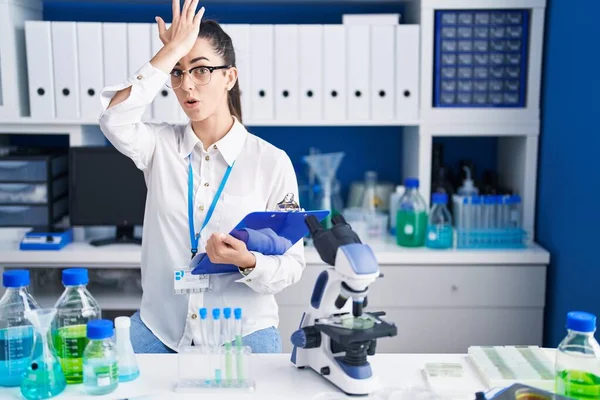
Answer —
325 166
468 188
127 363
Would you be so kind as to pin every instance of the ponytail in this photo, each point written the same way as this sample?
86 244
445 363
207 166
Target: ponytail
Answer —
234 102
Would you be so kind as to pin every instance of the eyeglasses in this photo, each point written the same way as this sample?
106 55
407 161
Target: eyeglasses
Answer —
200 75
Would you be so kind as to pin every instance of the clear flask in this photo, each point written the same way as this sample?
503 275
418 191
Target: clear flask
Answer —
74 309
100 366
44 377
439 227
128 367
16 332
578 359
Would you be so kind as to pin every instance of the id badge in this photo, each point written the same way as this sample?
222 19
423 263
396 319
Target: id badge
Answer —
184 282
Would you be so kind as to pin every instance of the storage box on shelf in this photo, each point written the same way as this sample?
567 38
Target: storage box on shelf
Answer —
14 101
481 61
33 190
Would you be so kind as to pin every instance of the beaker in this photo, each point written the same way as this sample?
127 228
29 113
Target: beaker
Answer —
325 166
44 377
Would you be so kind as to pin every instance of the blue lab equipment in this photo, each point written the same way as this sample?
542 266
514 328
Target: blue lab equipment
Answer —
127 364
16 332
100 367
439 227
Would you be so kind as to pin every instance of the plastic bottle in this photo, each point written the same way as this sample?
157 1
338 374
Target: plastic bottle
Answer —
395 206
74 309
514 211
439 228
128 366
100 367
370 201
468 187
16 332
411 219
578 359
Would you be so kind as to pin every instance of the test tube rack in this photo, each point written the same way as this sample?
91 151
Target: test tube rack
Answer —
502 366
214 369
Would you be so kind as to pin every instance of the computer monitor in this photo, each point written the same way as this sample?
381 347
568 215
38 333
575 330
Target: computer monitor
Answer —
106 189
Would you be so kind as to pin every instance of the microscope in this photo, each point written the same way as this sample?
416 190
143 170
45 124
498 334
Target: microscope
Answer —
335 334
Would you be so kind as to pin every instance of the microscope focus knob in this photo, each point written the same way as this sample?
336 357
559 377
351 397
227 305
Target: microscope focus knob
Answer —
306 338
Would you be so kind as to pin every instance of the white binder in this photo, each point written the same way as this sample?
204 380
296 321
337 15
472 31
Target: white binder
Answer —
311 72
334 75
240 37
286 72
262 104
407 72
89 50
66 70
165 106
383 86
358 45
114 45
139 45
38 39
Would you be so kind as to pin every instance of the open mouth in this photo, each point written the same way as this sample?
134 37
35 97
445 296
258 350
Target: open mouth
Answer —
191 103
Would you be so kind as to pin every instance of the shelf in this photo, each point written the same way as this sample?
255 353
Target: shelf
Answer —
30 125
387 252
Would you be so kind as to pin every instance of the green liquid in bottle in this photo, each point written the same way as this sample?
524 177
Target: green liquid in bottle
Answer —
578 385
411 228
70 342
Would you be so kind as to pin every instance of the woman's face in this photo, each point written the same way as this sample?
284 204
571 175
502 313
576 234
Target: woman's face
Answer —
201 101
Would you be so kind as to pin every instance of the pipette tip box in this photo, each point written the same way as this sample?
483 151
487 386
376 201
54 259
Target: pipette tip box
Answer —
502 366
214 369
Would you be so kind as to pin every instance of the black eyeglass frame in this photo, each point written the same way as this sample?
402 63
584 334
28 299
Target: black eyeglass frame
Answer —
210 69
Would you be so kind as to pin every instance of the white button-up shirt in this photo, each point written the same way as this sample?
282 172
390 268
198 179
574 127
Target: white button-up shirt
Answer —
261 177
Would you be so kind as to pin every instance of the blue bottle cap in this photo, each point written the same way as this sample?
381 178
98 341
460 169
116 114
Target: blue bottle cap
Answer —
203 313
75 277
216 313
237 313
489 200
411 183
15 278
515 199
99 329
439 198
581 321
226 312
476 200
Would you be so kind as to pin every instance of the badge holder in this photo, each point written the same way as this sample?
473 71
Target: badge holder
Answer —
184 282
207 369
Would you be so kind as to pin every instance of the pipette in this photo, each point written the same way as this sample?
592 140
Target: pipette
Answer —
216 342
237 313
227 337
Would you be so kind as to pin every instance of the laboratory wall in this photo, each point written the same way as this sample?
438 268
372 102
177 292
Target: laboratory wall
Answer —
569 182
367 148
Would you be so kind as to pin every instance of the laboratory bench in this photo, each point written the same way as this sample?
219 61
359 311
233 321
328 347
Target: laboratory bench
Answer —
277 378
435 297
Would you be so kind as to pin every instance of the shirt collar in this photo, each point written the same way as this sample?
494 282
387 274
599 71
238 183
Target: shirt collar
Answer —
229 145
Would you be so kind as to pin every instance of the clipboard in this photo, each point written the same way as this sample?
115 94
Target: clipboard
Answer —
287 225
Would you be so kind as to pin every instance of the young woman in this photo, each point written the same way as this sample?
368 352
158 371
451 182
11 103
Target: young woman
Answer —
202 179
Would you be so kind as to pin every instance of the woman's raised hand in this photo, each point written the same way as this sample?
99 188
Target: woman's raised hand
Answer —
183 32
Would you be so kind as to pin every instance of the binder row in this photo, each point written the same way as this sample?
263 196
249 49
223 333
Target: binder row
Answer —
286 72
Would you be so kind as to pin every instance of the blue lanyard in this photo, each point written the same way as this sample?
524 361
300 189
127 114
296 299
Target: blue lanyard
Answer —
195 237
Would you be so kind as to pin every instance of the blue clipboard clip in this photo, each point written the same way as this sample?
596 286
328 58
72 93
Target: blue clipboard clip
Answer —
266 232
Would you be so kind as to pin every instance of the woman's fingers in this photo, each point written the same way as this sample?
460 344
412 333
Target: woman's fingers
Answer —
161 27
199 16
192 10
184 9
176 9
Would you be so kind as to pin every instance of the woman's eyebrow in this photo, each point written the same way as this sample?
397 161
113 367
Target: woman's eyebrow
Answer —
195 60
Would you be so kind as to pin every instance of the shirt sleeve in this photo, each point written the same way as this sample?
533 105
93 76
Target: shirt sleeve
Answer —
272 274
122 124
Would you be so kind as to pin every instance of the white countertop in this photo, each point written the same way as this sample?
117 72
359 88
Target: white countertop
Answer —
387 253
277 378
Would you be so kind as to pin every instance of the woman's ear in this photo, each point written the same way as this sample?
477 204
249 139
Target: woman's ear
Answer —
232 75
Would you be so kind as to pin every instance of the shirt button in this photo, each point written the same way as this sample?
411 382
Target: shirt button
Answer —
249 280
206 184
201 208
139 77
194 316
207 158
215 146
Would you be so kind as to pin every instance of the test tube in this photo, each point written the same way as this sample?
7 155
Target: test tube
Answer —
499 212
465 218
216 344
227 329
476 222
237 313
206 342
203 326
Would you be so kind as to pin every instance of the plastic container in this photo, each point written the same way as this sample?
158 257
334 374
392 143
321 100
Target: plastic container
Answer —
128 367
468 187
411 218
100 367
16 331
74 309
439 227
578 359
395 206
